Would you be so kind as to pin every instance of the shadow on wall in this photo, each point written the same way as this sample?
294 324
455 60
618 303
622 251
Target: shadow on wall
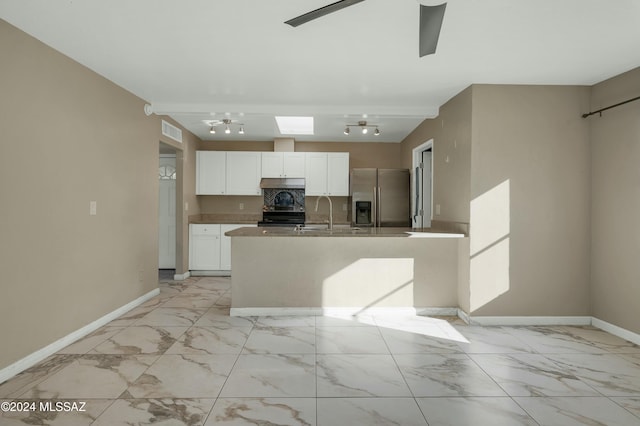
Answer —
489 245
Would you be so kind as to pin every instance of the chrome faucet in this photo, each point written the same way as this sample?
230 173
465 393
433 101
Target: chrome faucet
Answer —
330 210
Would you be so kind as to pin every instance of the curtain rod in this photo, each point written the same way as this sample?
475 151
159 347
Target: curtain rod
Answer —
609 107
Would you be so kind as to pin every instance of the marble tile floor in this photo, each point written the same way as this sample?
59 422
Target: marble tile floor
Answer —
180 359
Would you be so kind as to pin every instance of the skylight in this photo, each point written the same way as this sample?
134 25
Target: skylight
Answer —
295 125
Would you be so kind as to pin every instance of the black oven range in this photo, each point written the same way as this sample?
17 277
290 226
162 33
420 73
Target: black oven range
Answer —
283 206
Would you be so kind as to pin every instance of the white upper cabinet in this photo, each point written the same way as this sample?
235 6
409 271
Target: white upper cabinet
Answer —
338 173
327 173
283 164
228 173
239 172
272 164
315 182
210 173
293 164
243 173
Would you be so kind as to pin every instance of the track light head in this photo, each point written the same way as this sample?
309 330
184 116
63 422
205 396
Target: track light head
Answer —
364 128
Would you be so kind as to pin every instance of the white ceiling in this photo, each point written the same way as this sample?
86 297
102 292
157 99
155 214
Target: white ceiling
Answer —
210 59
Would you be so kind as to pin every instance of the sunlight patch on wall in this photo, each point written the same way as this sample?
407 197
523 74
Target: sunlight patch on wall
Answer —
489 243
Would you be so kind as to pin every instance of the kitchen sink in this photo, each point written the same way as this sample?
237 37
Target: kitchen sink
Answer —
324 229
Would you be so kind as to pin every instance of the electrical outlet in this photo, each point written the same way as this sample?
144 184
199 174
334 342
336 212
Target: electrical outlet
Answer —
438 209
241 206
93 208
344 207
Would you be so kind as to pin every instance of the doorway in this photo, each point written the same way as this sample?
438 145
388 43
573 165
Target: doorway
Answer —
422 184
167 177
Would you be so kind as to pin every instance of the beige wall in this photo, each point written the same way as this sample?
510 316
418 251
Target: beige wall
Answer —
451 134
514 161
530 168
615 206
69 137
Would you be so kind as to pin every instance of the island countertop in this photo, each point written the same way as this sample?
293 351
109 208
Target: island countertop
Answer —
342 231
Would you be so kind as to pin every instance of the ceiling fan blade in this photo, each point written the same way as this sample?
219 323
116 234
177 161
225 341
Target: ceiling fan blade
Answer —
430 23
314 14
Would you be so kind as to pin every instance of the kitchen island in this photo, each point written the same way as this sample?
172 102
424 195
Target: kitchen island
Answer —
313 271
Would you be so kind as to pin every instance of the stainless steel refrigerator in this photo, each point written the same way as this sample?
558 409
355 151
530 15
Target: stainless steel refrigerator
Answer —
380 197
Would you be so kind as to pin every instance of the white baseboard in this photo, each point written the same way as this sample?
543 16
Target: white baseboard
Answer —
438 312
274 312
182 277
511 321
623 333
39 355
464 316
341 311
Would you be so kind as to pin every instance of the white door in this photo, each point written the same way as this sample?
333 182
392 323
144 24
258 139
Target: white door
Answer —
427 165
422 185
167 213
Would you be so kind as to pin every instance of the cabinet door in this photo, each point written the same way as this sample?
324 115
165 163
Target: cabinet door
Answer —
293 164
243 173
315 173
204 247
338 173
272 164
210 172
225 246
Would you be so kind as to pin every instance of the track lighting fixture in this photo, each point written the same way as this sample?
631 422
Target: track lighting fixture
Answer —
227 123
364 128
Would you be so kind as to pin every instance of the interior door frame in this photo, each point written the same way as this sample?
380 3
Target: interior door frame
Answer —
173 162
416 160
166 148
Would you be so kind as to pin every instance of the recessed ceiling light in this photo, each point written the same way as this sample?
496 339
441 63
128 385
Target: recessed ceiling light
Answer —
295 125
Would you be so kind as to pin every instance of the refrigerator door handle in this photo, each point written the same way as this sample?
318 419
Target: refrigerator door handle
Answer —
375 208
417 189
379 207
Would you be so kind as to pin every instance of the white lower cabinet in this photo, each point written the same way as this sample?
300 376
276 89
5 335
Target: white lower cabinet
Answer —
209 248
204 247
